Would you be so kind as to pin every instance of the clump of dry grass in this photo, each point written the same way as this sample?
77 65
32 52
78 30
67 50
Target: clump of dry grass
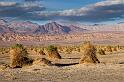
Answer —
101 52
77 49
4 50
68 50
114 48
4 66
41 52
52 52
19 56
108 49
89 54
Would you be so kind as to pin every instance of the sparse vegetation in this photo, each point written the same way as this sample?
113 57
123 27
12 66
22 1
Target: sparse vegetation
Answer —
108 49
114 48
89 54
19 56
101 52
51 48
52 52
41 52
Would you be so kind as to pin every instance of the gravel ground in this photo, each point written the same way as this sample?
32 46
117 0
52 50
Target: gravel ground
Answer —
66 70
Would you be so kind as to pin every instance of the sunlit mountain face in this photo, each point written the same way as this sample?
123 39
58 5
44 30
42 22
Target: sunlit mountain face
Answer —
79 11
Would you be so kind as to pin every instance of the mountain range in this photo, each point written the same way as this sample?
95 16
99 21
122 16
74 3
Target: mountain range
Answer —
33 28
28 27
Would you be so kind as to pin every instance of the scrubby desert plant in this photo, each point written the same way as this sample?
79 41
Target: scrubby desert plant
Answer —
78 49
89 54
41 52
52 52
19 56
114 48
68 50
108 49
82 46
101 52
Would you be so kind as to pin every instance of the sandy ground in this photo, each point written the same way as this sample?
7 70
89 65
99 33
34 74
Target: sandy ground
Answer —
67 70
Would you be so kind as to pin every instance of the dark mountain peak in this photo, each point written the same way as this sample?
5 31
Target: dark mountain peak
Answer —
53 28
53 22
3 20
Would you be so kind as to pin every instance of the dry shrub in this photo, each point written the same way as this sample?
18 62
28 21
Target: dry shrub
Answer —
104 49
60 48
68 50
41 52
19 56
42 61
52 52
101 52
108 49
114 48
83 45
78 49
89 54
4 66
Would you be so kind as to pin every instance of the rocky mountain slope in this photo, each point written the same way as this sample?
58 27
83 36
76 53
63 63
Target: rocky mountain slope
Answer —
28 27
55 28
33 28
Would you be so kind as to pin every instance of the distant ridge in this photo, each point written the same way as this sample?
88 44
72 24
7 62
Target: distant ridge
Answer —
28 27
55 28
33 28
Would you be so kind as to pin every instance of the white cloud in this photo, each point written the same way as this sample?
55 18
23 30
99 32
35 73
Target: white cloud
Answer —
83 11
100 11
20 11
31 4
4 4
109 2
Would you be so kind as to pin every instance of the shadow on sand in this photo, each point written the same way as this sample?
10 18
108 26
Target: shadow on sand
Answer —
121 63
63 65
70 58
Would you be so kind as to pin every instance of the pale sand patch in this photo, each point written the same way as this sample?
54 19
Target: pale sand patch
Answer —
74 73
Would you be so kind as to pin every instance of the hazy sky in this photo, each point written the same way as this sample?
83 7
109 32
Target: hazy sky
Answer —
82 11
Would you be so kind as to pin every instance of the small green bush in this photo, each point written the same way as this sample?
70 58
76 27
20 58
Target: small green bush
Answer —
51 48
18 46
52 52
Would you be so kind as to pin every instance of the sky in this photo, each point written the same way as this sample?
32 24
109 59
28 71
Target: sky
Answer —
70 11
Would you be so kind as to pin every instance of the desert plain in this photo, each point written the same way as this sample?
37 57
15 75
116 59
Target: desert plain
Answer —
67 69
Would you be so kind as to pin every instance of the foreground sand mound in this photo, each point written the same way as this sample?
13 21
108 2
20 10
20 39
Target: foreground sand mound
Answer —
42 61
89 54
